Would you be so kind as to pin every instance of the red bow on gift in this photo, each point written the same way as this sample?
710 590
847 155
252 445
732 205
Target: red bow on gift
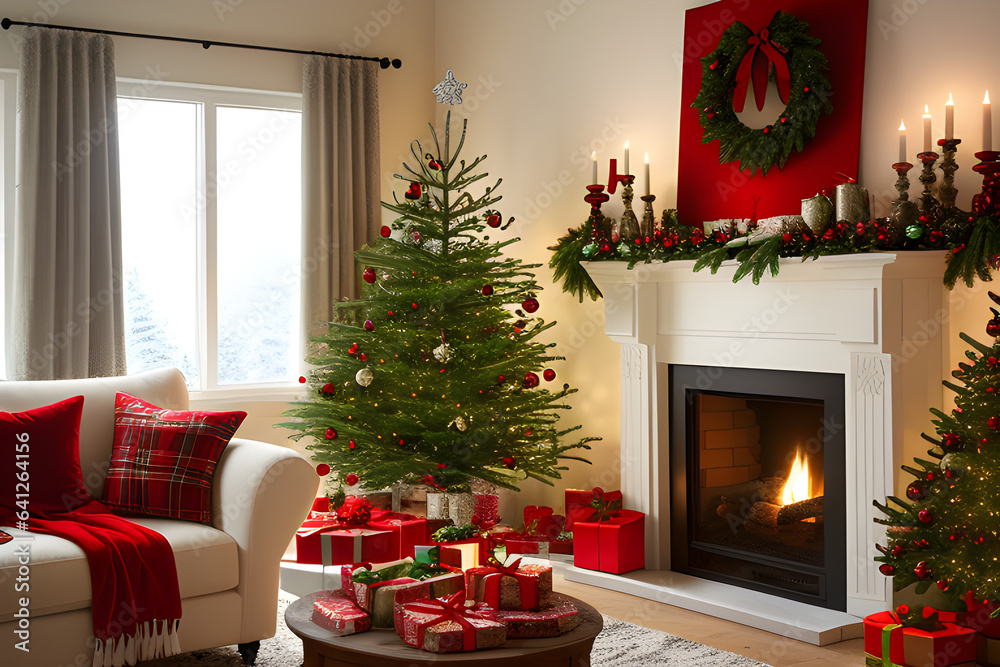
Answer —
773 52
525 584
605 507
355 511
450 608
540 521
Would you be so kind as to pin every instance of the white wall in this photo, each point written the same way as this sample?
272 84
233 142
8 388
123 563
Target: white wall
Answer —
549 81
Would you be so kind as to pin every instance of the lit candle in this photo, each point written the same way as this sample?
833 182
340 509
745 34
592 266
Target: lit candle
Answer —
927 129
902 142
646 160
949 119
593 159
626 158
987 124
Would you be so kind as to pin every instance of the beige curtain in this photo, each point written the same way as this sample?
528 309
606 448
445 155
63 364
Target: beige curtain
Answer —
67 319
340 180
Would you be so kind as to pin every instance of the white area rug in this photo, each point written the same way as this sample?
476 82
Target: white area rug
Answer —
620 644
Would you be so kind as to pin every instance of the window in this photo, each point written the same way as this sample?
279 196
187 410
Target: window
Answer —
8 160
211 233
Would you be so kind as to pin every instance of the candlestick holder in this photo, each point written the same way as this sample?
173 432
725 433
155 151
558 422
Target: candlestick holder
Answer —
628 229
987 202
601 231
947 191
929 205
904 212
647 226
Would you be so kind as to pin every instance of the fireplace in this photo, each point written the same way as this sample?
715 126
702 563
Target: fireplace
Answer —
871 320
757 480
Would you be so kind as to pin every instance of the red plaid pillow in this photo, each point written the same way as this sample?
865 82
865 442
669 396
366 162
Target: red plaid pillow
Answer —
164 460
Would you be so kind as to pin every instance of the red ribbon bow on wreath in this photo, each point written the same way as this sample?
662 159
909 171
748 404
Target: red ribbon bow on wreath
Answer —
774 54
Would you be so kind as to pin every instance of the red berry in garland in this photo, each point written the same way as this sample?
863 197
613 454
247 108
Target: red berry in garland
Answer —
786 237
369 275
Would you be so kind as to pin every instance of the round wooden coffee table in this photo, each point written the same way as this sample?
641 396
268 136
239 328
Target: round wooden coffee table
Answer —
378 648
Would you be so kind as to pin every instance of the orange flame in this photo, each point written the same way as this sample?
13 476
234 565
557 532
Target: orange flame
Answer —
799 485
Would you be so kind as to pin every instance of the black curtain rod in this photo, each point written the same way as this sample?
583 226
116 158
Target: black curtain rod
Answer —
384 63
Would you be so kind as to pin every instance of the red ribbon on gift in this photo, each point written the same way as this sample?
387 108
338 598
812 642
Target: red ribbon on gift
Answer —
450 608
525 582
355 511
601 507
773 52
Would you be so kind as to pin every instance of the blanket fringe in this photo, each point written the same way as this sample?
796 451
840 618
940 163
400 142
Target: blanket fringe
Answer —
151 640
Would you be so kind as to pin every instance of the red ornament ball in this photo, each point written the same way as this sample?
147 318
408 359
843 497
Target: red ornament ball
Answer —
351 479
369 275
897 551
493 220
509 462
943 584
530 381
385 231
530 304
549 375
351 445
950 440
886 569
302 379
925 516
993 422
322 470
330 434
429 479
442 466
487 290
327 389
916 491
369 325
993 327
923 570
500 379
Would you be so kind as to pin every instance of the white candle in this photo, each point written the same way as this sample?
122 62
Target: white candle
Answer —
593 159
927 129
646 160
626 158
902 142
949 119
987 124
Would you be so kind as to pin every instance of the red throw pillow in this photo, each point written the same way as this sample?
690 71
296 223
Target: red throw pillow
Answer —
40 459
163 461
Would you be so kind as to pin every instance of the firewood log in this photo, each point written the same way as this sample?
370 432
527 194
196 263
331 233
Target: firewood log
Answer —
765 514
789 514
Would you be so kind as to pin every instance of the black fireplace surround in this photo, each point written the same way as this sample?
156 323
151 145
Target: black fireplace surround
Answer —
811 569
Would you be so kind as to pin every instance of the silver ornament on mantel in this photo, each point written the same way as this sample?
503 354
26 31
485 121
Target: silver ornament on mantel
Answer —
364 377
852 203
816 212
443 353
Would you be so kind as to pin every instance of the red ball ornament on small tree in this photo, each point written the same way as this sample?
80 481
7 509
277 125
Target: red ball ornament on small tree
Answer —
351 479
331 434
925 516
530 304
369 275
322 470
493 220
385 231
487 290
530 381
886 569
549 375
923 570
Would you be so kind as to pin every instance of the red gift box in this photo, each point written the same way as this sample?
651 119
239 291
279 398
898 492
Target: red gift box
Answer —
978 617
561 547
913 647
528 545
338 613
307 541
463 558
407 531
448 625
579 505
514 586
617 545
343 547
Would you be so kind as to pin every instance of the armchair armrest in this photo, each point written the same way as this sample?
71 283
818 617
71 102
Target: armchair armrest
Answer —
260 495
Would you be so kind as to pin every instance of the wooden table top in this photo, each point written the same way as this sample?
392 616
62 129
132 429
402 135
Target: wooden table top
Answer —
384 647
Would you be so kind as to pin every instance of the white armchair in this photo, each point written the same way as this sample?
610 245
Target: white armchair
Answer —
228 572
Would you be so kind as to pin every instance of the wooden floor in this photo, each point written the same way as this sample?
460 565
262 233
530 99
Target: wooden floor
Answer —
763 646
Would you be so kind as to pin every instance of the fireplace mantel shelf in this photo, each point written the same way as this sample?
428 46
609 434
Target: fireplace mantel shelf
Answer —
865 316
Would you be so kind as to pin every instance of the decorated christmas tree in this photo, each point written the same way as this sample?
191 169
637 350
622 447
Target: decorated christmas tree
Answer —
946 532
437 374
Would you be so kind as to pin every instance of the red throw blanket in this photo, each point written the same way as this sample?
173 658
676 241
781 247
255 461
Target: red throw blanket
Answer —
136 603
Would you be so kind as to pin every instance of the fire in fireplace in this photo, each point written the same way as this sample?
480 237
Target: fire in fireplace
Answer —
757 480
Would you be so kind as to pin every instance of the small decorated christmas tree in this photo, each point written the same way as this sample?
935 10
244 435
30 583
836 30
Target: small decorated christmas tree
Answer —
436 375
947 530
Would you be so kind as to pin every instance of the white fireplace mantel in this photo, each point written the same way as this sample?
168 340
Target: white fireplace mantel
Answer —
875 318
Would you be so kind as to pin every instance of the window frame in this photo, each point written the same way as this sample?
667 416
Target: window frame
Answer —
209 98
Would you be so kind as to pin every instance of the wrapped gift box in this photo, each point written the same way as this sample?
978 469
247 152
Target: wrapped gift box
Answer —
338 613
913 647
308 548
463 554
347 546
380 599
579 505
513 587
617 545
552 621
449 626
561 547
407 531
528 545
979 617
447 584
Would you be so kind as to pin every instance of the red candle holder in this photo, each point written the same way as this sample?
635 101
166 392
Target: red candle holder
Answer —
601 229
987 202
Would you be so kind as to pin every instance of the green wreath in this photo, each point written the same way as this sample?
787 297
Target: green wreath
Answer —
800 69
